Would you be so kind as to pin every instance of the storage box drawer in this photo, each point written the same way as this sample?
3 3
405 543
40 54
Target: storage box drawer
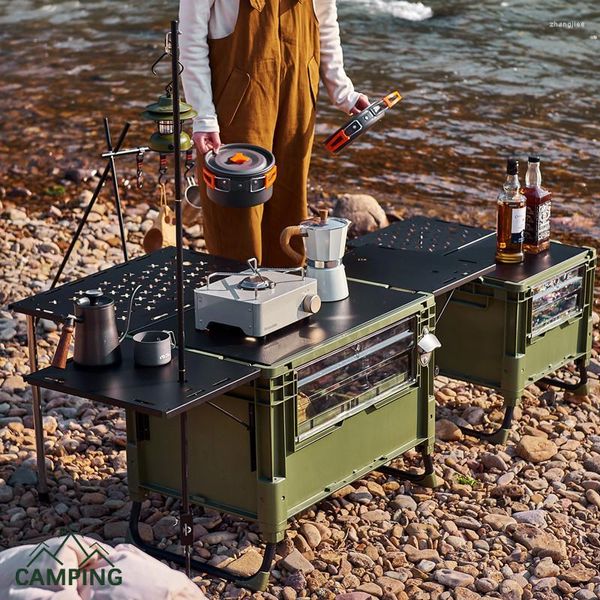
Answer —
556 300
347 380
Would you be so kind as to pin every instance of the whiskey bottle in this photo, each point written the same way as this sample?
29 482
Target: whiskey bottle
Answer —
511 217
538 206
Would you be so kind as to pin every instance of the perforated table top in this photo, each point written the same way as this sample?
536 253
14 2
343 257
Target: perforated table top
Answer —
155 272
423 234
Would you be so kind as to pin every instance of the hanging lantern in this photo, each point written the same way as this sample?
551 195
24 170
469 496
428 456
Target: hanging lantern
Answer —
161 113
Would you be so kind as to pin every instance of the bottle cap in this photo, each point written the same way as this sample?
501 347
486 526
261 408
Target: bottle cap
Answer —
533 159
512 166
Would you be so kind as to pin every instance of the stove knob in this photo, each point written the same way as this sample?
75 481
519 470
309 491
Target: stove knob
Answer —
311 304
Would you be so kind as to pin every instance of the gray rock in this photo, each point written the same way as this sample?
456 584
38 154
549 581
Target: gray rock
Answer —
294 561
533 517
166 527
6 492
453 579
23 476
592 464
360 560
218 537
115 529
404 502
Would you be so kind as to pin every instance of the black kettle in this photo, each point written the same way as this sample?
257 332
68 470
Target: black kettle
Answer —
97 340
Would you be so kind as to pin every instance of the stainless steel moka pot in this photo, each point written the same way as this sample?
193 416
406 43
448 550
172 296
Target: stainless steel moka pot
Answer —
324 243
96 336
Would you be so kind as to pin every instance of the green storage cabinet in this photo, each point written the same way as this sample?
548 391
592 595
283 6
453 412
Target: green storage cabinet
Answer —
306 427
519 324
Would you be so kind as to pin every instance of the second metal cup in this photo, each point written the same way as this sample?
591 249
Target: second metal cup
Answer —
153 348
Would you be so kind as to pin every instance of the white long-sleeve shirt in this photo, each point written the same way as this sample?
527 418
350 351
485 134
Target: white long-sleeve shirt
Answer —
200 20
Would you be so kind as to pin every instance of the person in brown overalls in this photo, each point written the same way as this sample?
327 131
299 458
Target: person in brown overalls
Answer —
261 66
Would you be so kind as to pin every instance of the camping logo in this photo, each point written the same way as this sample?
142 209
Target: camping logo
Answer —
58 574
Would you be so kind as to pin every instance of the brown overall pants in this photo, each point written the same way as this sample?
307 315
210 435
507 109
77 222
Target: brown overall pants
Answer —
265 79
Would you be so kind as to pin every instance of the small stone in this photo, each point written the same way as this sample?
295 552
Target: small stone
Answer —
593 497
343 491
14 383
593 464
94 511
6 492
219 537
296 562
426 566
61 508
288 593
28 499
447 431
493 461
510 590
296 581
578 574
354 596
404 502
115 529
360 560
370 588
166 527
542 543
311 534
462 593
93 498
50 425
247 564
486 585
498 522
390 585
536 449
533 517
453 579
546 568
376 516
23 476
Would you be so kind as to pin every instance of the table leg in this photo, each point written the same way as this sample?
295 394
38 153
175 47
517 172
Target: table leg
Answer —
426 478
38 424
580 388
499 435
256 582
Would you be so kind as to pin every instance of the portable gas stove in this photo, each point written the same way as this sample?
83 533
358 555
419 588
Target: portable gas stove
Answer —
257 301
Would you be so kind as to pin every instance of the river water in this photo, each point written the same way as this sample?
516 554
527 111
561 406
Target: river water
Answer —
480 80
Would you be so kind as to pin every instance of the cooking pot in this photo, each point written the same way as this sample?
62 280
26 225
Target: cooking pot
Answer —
239 175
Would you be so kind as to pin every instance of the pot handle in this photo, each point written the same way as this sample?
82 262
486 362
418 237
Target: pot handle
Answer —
62 351
284 240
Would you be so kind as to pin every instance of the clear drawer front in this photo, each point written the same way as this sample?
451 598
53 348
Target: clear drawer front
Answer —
355 376
556 300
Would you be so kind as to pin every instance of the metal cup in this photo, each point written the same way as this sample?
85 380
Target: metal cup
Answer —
153 348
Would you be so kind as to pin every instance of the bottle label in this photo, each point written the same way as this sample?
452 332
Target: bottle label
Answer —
537 225
517 226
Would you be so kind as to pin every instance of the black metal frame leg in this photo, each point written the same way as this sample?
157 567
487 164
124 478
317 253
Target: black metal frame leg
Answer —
38 423
427 478
256 582
579 388
498 436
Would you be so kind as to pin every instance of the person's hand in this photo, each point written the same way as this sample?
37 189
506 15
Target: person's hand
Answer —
361 104
207 140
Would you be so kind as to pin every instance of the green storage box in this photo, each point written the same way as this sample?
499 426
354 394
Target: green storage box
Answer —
519 324
309 425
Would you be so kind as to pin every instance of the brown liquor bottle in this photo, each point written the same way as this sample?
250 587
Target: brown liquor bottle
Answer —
511 217
539 203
